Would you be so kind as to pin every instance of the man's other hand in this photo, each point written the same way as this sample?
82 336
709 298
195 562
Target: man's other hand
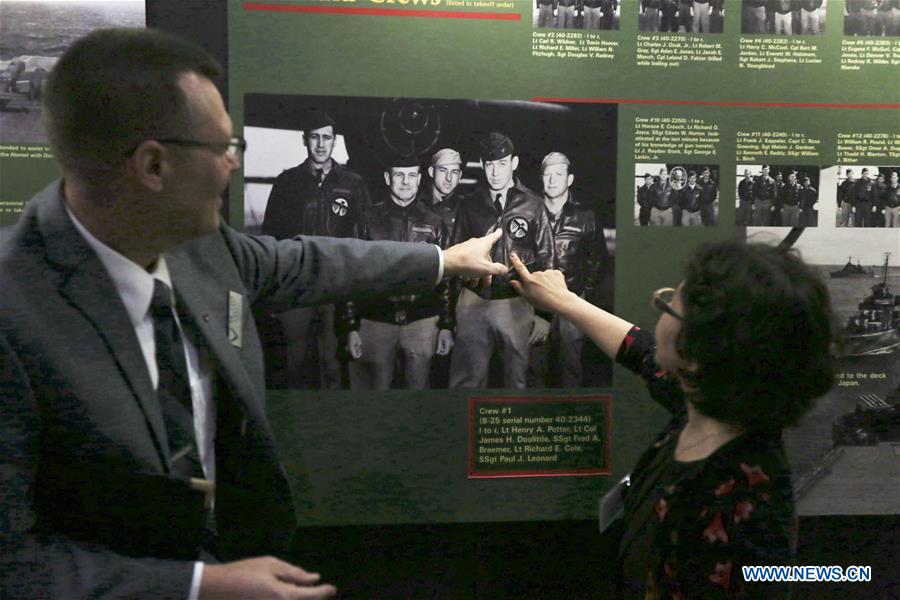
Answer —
263 577
471 259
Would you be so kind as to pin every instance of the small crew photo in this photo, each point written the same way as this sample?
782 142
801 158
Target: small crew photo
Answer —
676 195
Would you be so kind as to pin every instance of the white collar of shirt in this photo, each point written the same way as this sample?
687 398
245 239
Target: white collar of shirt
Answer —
134 284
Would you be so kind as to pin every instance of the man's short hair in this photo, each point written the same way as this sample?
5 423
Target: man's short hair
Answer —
555 158
116 88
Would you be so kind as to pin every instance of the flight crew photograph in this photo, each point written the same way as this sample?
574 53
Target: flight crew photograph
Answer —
582 257
781 195
868 200
402 332
137 457
686 16
680 195
463 153
596 15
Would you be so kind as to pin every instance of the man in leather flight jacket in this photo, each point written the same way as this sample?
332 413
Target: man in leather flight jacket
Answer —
317 197
495 317
415 326
582 256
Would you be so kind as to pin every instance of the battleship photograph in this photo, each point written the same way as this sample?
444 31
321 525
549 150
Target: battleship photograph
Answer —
845 453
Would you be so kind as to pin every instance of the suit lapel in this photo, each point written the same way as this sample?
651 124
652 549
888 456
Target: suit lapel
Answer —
216 320
85 283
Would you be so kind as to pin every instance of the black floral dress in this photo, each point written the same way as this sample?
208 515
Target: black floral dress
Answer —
689 527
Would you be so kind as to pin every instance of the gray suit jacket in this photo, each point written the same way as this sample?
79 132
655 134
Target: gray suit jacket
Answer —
88 506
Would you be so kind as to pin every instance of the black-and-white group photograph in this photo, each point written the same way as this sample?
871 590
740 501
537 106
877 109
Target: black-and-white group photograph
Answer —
867 196
439 172
777 195
577 14
684 16
676 195
872 18
784 17
34 35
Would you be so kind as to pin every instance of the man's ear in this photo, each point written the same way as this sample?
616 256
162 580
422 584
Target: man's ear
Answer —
149 164
570 179
515 163
387 179
431 172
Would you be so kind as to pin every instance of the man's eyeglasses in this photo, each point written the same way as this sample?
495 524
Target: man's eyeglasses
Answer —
662 301
234 147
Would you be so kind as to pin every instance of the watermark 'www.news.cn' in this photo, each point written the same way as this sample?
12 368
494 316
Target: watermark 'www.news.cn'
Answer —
807 573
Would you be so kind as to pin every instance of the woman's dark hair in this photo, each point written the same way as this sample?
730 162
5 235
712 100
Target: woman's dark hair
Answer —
759 328
116 88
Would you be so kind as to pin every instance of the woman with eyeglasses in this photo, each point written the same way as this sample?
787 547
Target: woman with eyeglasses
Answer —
740 351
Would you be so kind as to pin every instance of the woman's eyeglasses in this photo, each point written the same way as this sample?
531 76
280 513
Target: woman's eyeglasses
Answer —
662 301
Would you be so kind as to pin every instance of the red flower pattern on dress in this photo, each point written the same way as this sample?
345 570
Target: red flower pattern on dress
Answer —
629 340
721 576
755 475
715 531
669 570
725 488
661 508
742 510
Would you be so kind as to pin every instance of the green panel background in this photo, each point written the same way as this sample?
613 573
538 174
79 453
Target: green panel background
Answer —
401 457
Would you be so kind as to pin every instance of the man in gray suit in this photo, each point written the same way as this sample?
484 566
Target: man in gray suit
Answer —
134 447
